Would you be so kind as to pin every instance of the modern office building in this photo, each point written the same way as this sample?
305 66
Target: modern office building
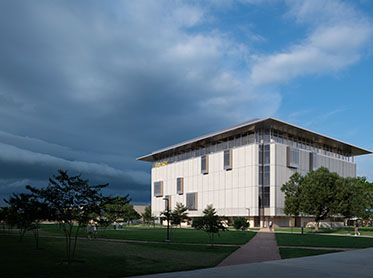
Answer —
240 170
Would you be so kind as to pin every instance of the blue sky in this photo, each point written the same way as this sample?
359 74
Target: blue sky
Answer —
89 86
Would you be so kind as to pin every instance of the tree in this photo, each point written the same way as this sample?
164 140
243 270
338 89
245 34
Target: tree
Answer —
26 212
368 200
318 192
179 214
70 200
349 197
3 216
209 223
129 213
292 191
113 208
240 223
147 215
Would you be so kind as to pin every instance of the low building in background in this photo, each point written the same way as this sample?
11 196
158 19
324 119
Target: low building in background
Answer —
139 209
240 170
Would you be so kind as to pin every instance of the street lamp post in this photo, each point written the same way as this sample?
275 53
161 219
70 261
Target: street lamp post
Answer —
168 217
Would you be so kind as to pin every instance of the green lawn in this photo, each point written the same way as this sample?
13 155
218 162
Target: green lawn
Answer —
102 259
179 235
368 231
315 240
294 230
288 253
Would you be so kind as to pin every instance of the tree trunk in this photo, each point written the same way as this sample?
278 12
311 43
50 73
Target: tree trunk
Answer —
317 226
68 241
75 240
22 234
36 236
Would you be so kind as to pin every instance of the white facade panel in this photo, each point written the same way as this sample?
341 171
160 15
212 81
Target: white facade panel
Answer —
231 192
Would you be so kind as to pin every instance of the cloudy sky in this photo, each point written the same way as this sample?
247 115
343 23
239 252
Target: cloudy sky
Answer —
91 85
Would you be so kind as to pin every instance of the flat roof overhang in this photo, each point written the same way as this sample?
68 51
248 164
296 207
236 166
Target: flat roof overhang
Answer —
252 125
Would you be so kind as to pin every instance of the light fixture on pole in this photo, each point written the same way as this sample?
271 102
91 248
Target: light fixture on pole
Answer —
168 217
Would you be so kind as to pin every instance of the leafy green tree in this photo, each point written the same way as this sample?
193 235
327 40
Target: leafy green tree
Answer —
26 212
113 208
209 223
129 213
179 214
3 216
318 193
147 217
240 223
71 200
349 199
368 200
292 191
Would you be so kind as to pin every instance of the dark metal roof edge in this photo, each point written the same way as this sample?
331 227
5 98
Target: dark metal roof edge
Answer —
221 131
319 134
247 123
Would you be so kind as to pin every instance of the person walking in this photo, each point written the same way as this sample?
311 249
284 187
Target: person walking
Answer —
89 230
95 231
357 228
270 226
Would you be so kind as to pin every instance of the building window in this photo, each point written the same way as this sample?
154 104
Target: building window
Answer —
191 201
204 164
264 154
228 160
264 198
292 157
180 186
167 205
264 175
158 188
313 161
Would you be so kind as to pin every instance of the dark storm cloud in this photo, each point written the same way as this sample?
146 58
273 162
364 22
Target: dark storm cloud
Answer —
90 86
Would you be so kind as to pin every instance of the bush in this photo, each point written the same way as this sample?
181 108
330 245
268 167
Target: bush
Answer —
240 223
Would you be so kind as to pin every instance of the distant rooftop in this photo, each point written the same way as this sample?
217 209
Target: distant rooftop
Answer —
255 124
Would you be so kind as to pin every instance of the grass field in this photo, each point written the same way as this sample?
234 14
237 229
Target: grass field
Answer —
179 235
288 253
367 231
315 240
101 258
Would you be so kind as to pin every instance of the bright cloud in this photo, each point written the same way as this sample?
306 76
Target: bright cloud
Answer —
338 35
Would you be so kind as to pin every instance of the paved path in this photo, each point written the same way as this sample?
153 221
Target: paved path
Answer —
350 264
262 248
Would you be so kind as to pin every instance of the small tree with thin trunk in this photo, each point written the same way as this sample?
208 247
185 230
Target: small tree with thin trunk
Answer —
112 209
129 213
26 212
147 217
71 201
209 223
179 214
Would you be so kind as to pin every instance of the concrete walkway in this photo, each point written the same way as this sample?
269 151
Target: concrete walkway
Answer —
350 264
262 248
